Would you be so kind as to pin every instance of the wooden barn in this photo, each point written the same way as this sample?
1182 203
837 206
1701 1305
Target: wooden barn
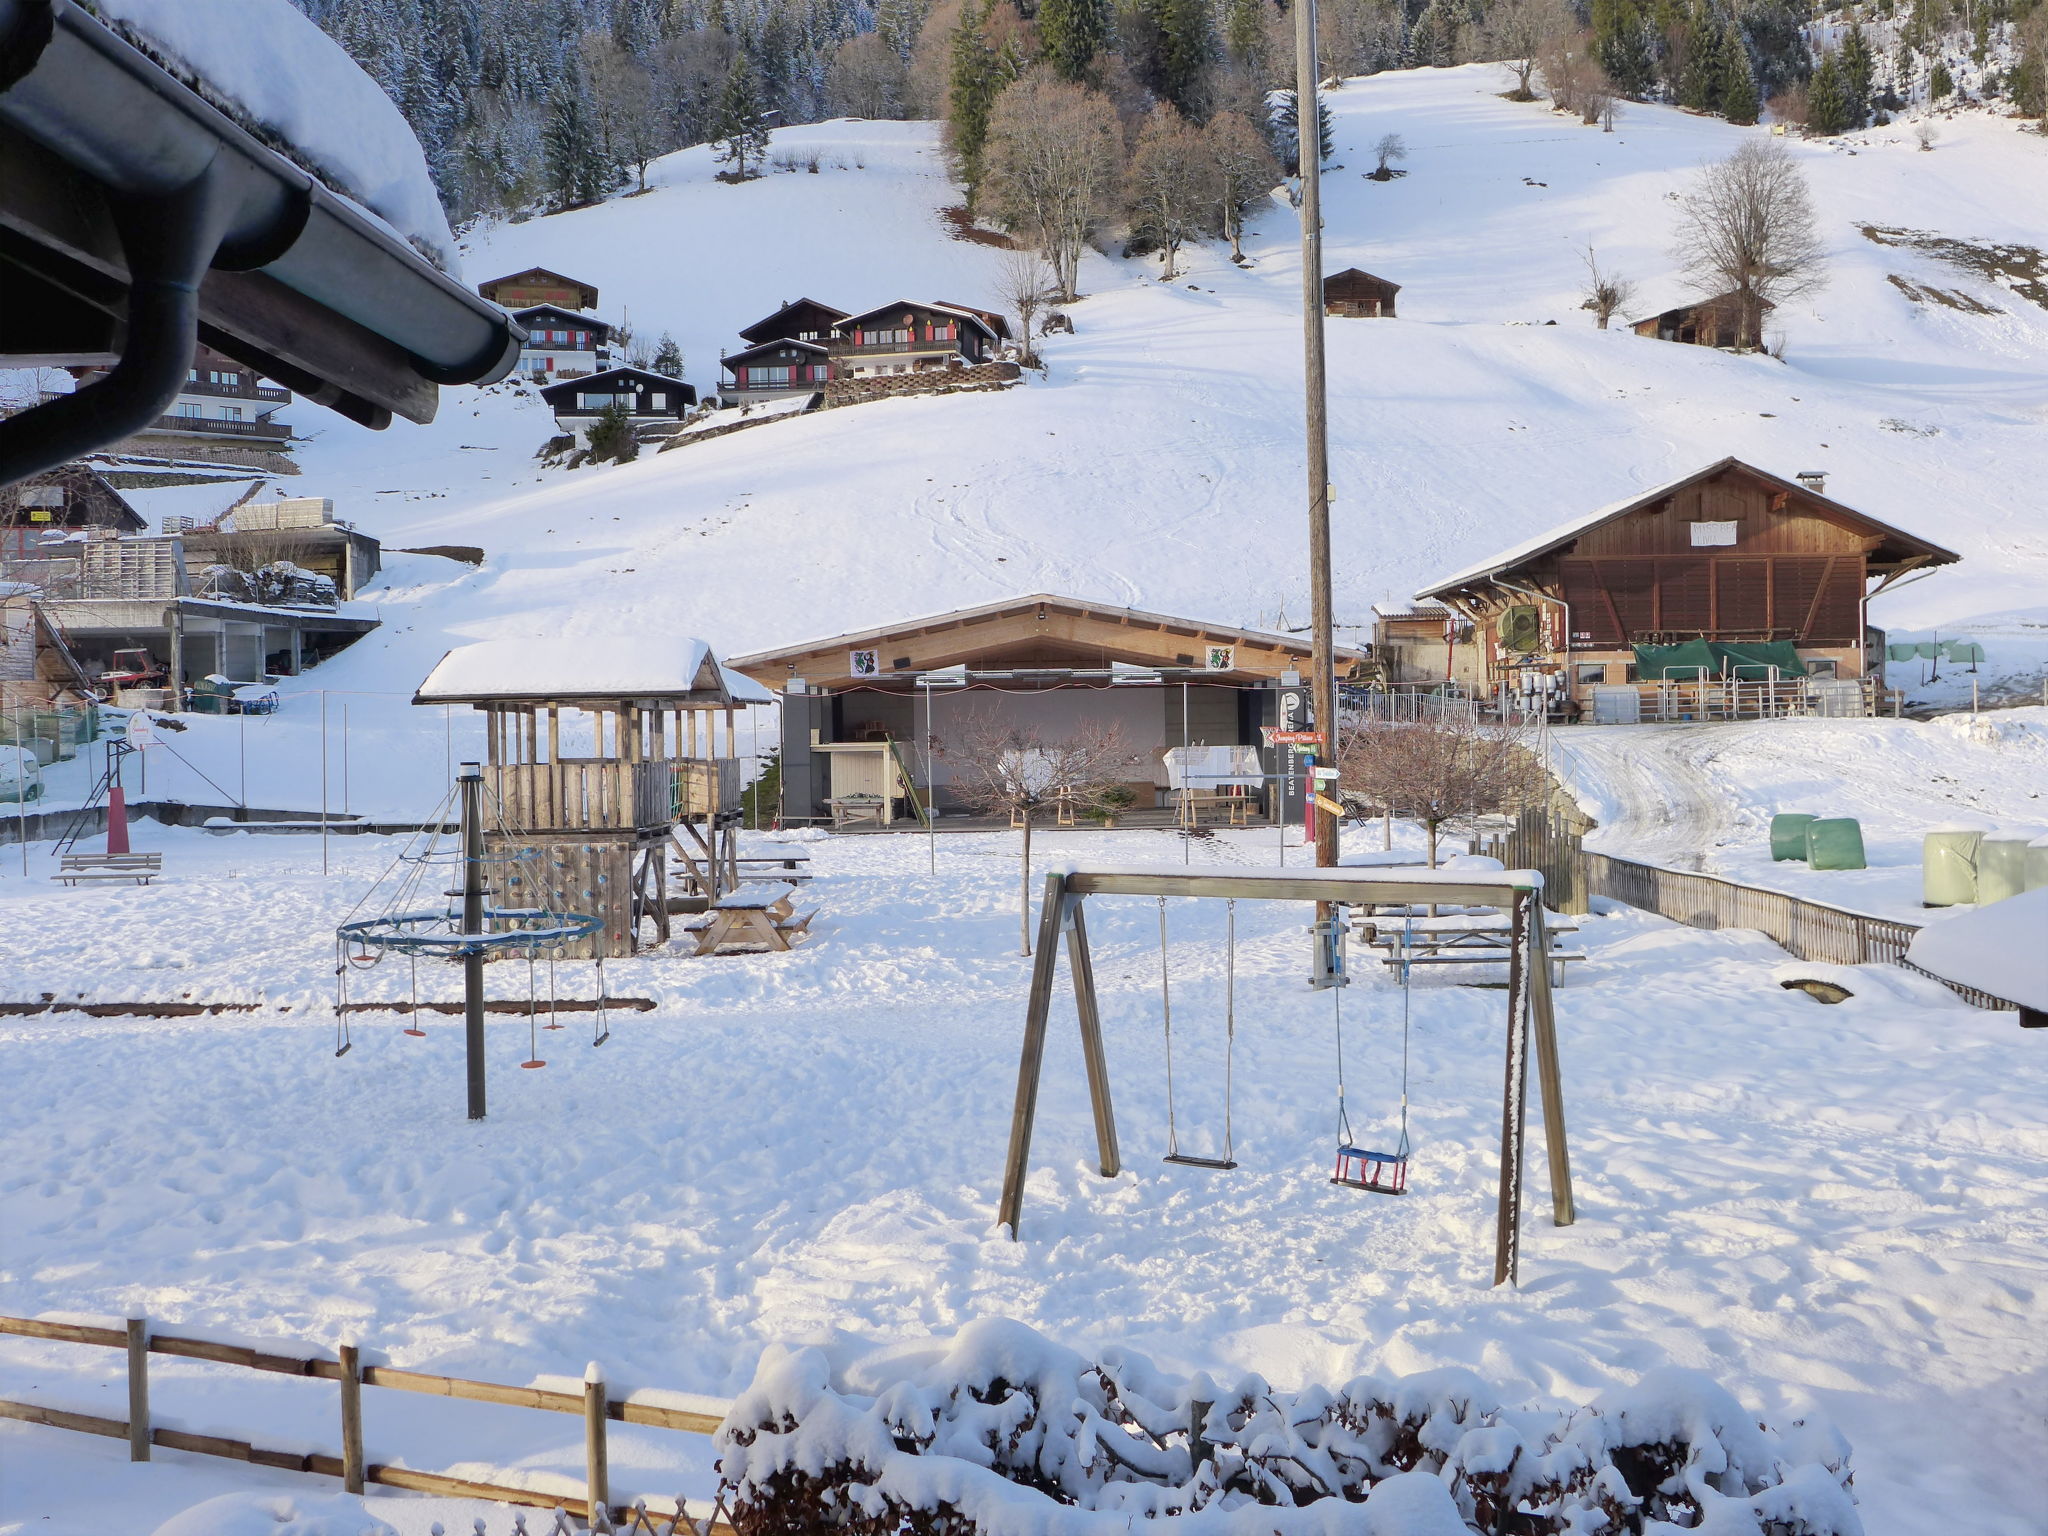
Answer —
1714 322
1357 295
859 709
1728 576
538 285
603 760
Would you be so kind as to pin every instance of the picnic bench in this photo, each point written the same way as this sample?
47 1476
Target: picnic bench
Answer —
858 810
758 917
786 867
135 868
1458 939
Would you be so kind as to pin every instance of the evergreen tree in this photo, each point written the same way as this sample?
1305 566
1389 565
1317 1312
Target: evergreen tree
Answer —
1072 33
1706 62
1244 32
575 162
668 357
1283 127
739 126
1858 70
979 72
1827 97
1940 82
1433 40
1186 46
1738 84
1775 32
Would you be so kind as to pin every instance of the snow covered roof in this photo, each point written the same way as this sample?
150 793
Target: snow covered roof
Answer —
573 316
609 669
857 639
202 503
1564 533
775 345
267 65
1996 949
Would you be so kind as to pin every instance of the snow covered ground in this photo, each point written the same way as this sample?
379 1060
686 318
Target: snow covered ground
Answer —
1833 1210
1702 796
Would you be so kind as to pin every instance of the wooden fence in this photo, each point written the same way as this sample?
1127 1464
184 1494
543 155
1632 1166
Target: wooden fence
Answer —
1808 929
596 1506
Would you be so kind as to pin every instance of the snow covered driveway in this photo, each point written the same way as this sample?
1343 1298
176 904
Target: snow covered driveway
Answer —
1842 1209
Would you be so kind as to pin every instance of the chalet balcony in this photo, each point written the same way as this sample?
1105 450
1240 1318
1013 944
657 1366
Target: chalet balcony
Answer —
211 426
916 349
236 391
603 794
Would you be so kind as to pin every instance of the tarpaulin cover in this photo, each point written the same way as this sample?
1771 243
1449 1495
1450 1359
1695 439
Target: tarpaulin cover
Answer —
1948 866
1835 842
1788 835
1655 663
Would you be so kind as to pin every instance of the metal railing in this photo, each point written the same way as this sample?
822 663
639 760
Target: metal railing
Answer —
213 425
236 391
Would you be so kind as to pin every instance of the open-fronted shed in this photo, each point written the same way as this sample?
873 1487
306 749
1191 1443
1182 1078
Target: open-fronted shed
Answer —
1359 295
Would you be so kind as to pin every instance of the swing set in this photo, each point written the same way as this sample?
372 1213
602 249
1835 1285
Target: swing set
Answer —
1516 893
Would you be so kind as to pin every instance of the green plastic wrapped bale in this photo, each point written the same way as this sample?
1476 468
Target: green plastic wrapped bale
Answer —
1835 842
1948 866
2037 864
1788 835
2001 868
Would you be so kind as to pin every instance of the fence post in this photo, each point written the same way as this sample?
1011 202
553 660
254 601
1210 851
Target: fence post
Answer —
351 1418
138 1388
596 1474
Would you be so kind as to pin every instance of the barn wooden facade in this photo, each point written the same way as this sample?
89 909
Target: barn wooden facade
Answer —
1359 295
1714 322
1730 555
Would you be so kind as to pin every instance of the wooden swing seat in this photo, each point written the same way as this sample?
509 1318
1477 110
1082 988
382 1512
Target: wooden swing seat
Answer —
1189 1160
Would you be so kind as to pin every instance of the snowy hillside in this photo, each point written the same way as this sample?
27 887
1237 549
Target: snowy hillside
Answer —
1166 432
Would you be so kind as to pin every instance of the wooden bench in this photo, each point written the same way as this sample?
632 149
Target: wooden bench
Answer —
135 868
759 918
785 860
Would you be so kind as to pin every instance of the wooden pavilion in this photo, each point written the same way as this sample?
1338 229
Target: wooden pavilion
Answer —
599 760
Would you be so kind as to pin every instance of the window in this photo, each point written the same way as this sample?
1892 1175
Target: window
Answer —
1586 674
945 331
1821 666
657 400
767 378
1705 534
897 337
187 408
231 413
232 380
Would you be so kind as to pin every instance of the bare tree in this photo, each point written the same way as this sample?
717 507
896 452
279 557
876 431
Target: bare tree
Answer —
1517 32
1000 769
1567 66
631 120
1436 771
1596 96
1053 164
1924 134
1168 185
868 79
1391 147
1606 293
1748 229
1027 285
1242 172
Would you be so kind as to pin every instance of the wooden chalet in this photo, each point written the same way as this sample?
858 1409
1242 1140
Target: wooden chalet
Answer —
538 285
797 320
72 498
650 398
860 710
1359 295
1714 322
562 343
1762 580
776 368
602 758
909 337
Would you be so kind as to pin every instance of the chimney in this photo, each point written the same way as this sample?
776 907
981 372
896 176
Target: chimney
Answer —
1814 480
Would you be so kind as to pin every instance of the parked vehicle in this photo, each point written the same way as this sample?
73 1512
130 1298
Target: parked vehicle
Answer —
21 777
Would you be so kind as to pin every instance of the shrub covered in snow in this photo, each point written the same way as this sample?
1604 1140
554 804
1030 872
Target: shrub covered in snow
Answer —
1000 1432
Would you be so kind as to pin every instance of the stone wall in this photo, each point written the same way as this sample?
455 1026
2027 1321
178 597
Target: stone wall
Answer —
934 381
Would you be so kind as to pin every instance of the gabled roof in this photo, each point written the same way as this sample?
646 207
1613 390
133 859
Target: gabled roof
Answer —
613 669
763 325
645 377
587 294
994 321
1362 273
573 316
1673 299
775 346
1193 629
1904 545
966 314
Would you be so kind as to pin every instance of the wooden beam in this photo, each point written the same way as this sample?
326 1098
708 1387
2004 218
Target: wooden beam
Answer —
1082 969
1306 886
1550 1076
1009 1212
1507 1240
138 1389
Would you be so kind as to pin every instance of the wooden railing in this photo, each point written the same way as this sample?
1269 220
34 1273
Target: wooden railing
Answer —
597 794
352 1466
1809 929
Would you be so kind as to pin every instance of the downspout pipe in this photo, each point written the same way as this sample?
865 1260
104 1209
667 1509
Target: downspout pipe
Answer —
169 241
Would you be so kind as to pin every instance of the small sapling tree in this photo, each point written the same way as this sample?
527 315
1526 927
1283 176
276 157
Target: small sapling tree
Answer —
1606 293
1437 771
1390 148
1006 770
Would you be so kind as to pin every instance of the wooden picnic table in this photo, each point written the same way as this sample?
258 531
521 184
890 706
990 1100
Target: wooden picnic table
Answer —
785 867
760 917
1476 939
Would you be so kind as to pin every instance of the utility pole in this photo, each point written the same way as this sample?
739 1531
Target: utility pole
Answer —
1308 154
471 783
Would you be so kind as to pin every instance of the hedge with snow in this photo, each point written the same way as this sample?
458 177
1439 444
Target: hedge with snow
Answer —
1000 1432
